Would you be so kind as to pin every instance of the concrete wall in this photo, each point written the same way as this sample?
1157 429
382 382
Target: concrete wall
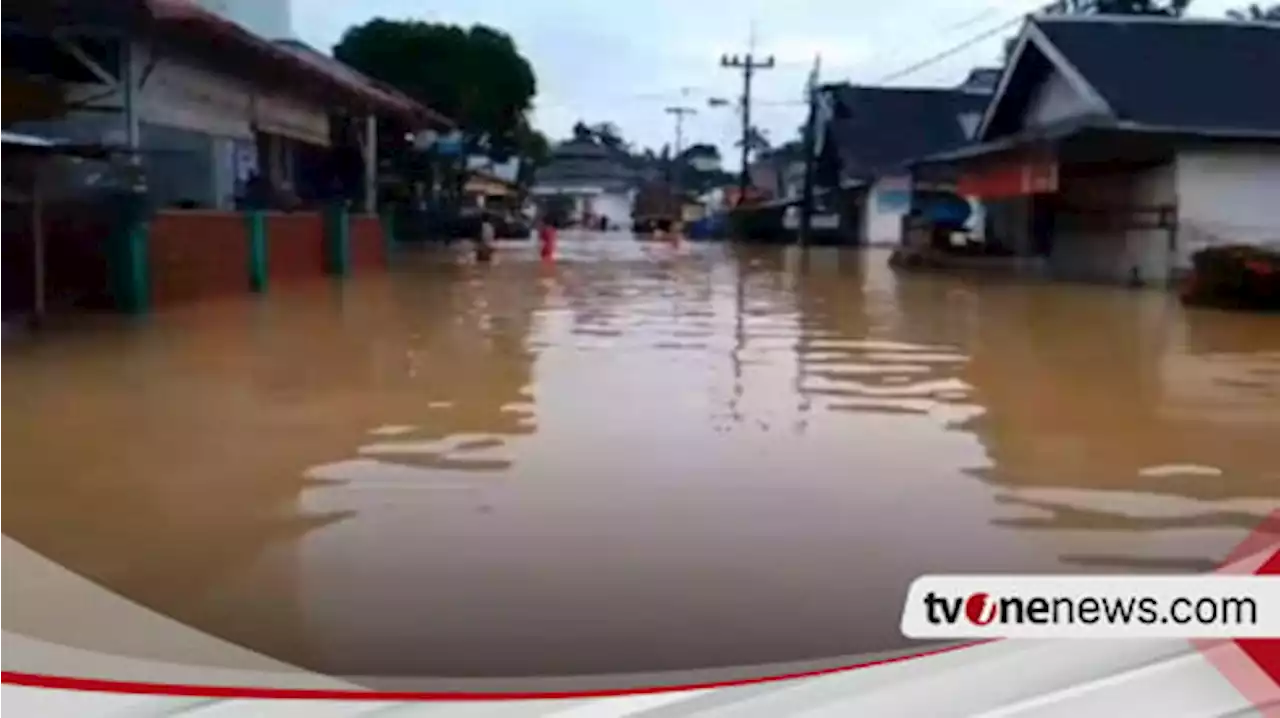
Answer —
1227 195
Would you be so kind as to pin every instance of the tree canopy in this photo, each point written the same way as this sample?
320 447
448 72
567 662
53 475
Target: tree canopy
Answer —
1174 8
474 75
1256 13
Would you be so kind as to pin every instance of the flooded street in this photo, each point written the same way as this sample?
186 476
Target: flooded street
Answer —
629 460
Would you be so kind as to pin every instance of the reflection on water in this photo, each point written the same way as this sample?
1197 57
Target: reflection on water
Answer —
632 459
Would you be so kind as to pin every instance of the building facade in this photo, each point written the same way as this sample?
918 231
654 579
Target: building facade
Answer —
872 135
1092 160
598 181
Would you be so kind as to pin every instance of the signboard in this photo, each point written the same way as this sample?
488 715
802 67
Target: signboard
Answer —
449 145
1013 177
893 194
287 117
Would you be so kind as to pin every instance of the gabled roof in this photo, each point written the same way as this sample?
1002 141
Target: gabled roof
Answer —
877 130
1151 73
586 162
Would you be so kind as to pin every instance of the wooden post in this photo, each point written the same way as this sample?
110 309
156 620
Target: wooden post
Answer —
257 230
37 243
371 165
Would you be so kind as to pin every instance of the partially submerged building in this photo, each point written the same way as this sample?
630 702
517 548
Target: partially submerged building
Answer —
1116 146
595 180
223 124
869 138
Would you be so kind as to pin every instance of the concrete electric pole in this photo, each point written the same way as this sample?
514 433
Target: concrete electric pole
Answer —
811 130
748 64
680 112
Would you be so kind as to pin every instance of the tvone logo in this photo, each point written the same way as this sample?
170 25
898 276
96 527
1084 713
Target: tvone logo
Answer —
980 609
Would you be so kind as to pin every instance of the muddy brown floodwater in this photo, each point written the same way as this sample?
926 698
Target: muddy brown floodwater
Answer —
630 460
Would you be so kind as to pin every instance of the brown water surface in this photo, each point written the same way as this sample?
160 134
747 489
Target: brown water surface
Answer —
630 460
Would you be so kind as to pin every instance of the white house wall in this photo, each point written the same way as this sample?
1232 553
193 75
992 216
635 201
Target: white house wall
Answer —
1227 195
880 225
616 207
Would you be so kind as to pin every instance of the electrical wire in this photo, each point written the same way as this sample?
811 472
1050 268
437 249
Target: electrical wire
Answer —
938 57
974 40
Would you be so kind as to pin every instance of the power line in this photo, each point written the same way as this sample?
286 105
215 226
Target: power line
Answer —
916 67
680 112
1057 6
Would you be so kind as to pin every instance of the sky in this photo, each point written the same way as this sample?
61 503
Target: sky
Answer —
625 61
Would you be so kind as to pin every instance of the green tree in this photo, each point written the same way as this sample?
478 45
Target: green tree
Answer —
1256 13
609 136
474 75
1174 8
534 151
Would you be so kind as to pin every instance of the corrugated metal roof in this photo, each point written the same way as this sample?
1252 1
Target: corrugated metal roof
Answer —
355 78
877 130
15 138
1176 73
309 64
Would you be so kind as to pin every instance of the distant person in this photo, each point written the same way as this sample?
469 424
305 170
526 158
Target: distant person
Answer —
677 233
257 191
485 245
546 240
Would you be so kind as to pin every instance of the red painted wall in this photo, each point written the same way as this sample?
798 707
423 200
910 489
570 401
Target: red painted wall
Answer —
295 246
367 249
197 255
1014 176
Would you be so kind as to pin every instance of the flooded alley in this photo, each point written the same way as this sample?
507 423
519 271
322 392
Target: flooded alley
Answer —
630 459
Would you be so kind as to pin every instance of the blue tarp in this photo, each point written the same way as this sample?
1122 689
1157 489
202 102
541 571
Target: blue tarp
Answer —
708 227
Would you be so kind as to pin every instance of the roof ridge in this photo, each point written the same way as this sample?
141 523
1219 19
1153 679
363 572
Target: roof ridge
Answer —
1155 20
891 88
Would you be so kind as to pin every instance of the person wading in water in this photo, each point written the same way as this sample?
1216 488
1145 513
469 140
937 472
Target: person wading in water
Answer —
546 240
485 244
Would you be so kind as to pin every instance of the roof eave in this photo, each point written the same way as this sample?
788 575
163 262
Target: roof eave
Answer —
1221 133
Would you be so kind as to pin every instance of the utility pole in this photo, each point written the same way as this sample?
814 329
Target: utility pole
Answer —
680 112
810 147
748 64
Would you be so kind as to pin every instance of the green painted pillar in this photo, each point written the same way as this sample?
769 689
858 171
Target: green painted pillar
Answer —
256 225
128 260
389 239
337 241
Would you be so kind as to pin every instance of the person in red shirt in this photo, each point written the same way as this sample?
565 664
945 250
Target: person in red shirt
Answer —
546 240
